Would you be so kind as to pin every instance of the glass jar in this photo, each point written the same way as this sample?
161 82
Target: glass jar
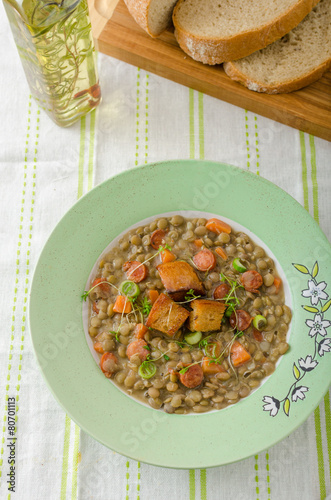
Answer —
55 43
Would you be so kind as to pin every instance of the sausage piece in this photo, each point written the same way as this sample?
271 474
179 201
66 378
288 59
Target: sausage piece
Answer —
221 291
157 238
192 377
135 271
251 280
108 363
137 347
204 260
240 319
103 290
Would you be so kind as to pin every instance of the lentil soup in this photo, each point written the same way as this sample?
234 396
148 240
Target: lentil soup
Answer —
187 314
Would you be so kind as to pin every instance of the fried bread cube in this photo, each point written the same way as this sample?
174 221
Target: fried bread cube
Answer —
206 315
178 277
166 316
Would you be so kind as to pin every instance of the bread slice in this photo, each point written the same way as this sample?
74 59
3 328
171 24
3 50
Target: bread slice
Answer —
214 31
178 278
166 316
206 315
294 61
154 16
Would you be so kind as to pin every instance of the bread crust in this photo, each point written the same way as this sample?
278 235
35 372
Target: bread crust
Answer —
285 87
211 50
139 10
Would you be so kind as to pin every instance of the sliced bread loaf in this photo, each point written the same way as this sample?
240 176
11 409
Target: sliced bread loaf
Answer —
294 61
214 31
154 16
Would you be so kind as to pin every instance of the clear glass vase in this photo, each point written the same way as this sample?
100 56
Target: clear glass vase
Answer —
55 43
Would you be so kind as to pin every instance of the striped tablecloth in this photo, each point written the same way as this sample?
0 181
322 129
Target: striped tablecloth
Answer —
44 170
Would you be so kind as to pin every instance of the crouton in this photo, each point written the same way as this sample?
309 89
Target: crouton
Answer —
178 278
206 315
166 316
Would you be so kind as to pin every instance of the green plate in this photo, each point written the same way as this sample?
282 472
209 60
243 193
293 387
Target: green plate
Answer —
270 413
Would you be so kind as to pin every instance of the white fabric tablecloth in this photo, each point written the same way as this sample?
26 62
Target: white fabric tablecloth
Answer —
44 169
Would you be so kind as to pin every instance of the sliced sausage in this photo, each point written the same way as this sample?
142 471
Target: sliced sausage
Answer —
137 347
103 290
157 238
240 319
135 271
108 363
204 260
251 280
192 377
258 336
221 291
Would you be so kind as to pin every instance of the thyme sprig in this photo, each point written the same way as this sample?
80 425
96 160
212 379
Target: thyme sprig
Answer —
231 299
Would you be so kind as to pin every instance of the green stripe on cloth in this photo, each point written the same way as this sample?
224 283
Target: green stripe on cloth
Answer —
75 464
192 484
191 112
203 484
27 263
256 467
127 487
317 416
91 150
81 157
268 474
314 177
17 279
65 458
146 118
201 128
304 171
248 164
256 133
319 448
137 117
138 481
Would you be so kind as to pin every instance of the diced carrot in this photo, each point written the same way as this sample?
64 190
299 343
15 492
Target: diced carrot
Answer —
152 295
210 368
167 256
95 308
221 252
140 330
122 304
198 243
98 347
218 226
239 355
277 283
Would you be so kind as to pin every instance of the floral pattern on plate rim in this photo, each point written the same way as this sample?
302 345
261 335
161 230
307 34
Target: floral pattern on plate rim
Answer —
319 304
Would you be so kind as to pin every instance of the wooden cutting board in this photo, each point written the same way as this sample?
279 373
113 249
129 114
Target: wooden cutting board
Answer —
118 35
